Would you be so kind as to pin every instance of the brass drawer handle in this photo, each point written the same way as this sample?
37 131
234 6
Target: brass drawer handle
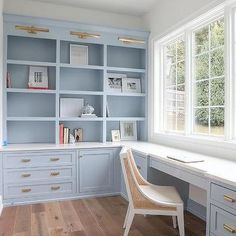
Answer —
25 175
26 190
54 188
229 199
26 160
229 229
139 167
55 173
54 159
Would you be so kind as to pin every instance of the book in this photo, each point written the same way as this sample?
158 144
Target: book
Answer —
65 135
61 134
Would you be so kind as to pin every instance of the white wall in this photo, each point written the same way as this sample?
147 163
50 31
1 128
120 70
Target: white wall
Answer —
69 13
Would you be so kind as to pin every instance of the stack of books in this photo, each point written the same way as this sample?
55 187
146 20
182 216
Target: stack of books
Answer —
64 134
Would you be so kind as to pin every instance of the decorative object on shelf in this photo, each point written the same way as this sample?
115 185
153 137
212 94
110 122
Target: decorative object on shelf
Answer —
71 107
85 35
115 135
78 135
72 139
9 84
32 29
38 77
87 111
131 40
128 130
131 85
78 54
66 135
114 82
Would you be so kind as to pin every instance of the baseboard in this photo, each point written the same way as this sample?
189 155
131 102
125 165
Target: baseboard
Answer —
196 209
1 205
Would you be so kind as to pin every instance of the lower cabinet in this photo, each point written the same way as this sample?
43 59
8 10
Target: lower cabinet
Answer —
96 171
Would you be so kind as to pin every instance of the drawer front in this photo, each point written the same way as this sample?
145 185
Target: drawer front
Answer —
223 195
29 175
37 159
222 222
38 190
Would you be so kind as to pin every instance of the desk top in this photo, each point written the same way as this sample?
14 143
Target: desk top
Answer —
213 168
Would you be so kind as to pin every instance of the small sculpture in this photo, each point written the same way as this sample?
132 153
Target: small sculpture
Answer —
87 111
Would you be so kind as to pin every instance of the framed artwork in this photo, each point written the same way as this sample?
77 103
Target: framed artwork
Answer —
78 135
128 130
78 54
114 82
115 135
71 107
38 77
131 85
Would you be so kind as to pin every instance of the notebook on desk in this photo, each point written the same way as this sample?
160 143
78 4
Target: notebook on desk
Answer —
186 159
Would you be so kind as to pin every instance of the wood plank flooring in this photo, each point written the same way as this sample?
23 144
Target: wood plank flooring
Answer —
88 217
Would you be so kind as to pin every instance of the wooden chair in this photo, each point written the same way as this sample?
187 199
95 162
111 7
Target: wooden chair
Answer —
148 199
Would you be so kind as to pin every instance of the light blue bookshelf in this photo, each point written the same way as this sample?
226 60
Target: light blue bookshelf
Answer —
33 116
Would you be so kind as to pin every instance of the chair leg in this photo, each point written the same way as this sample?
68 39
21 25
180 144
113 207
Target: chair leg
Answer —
180 217
129 222
126 217
174 222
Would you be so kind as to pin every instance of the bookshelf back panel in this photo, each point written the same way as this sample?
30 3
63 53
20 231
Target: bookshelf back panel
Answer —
19 75
30 105
95 53
30 132
81 79
31 49
92 130
126 106
126 57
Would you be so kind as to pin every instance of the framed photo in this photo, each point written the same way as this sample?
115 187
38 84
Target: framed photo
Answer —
115 135
128 130
38 77
131 85
71 107
78 54
114 82
78 135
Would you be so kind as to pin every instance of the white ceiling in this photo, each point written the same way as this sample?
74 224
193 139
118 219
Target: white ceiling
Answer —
130 7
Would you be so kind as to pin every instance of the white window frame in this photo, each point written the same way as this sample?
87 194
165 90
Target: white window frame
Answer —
156 133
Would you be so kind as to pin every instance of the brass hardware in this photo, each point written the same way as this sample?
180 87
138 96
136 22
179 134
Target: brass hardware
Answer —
55 159
131 40
54 188
55 173
85 35
229 229
26 160
229 199
26 190
139 167
31 29
25 175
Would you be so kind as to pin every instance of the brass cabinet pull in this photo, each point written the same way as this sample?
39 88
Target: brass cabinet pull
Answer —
26 190
85 35
31 29
54 159
55 173
229 229
139 167
229 199
54 188
26 160
25 175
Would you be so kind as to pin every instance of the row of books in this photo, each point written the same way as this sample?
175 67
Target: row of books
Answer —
64 134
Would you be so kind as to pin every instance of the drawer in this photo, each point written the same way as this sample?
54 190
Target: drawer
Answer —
222 222
29 175
21 191
223 195
24 160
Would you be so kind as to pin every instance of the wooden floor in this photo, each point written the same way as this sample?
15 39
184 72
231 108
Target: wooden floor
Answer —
91 217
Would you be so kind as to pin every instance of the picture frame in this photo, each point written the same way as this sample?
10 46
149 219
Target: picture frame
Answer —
128 130
38 77
71 107
115 135
78 54
114 82
78 133
131 85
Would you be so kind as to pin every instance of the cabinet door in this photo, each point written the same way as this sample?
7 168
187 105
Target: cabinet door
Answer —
96 171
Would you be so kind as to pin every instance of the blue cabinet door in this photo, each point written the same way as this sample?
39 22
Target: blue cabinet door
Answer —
96 171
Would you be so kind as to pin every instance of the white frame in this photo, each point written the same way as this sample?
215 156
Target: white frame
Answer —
81 57
125 82
114 76
115 135
123 135
38 85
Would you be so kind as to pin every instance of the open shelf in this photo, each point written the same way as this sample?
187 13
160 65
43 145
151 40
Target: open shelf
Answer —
81 119
125 118
20 118
81 92
16 90
125 69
